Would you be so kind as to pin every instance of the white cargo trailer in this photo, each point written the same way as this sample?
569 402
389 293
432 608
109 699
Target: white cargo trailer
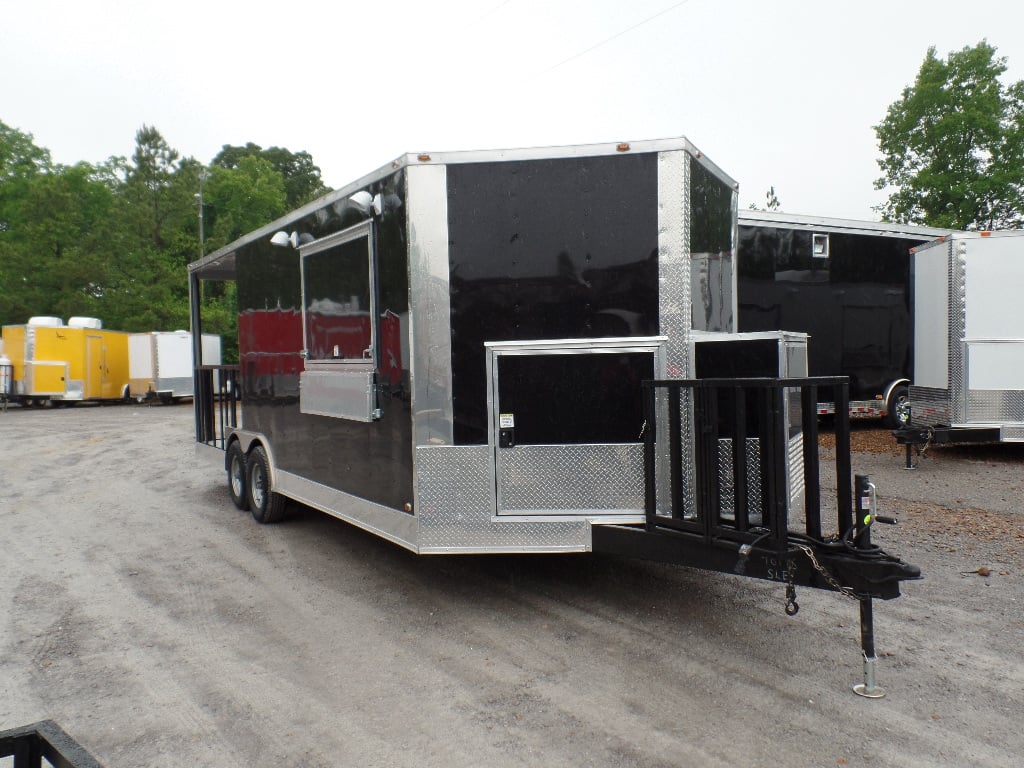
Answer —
160 363
969 342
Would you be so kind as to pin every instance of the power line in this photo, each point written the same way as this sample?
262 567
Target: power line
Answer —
615 36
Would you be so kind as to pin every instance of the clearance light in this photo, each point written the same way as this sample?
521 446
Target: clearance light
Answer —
622 147
424 158
985 233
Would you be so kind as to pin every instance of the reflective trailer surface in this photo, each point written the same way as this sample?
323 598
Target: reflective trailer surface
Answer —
547 249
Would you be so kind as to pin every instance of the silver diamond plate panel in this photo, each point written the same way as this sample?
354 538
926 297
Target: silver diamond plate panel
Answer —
675 313
455 506
929 406
995 405
1012 434
795 474
957 328
674 260
564 479
727 486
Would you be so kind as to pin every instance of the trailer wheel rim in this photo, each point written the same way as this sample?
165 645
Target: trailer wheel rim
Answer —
237 476
256 485
902 409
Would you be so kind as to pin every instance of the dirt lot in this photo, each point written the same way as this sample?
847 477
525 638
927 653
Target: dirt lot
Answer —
161 627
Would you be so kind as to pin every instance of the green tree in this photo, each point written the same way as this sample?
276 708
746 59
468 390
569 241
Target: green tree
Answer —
243 198
771 201
64 233
302 181
21 161
953 145
158 202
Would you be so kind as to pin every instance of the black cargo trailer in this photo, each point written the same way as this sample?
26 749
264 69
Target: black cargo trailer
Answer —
845 283
484 352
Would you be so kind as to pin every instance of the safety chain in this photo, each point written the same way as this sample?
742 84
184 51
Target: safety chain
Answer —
927 443
792 608
829 578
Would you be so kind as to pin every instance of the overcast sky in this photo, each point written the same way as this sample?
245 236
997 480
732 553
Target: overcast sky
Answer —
778 93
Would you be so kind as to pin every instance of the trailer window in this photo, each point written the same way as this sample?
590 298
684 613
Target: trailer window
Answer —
337 297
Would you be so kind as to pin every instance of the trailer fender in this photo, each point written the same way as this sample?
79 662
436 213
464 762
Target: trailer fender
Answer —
894 394
247 441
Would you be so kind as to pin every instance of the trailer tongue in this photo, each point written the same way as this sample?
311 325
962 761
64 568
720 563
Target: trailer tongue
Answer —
732 511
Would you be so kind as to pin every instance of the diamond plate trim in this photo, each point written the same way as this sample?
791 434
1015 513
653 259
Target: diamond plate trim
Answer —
455 507
929 407
674 311
1012 434
727 486
564 479
995 405
957 329
795 475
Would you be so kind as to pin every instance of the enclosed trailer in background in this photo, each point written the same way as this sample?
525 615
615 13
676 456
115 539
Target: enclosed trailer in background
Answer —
969 353
494 352
845 283
160 363
58 363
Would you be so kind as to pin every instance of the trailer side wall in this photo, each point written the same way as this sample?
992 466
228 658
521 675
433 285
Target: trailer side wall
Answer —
854 304
372 460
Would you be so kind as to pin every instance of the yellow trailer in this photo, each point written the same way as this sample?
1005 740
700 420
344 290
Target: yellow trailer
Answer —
66 363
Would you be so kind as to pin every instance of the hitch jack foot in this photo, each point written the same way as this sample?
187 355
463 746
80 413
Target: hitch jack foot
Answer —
868 689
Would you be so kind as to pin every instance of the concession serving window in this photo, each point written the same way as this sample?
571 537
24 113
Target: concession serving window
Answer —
339 325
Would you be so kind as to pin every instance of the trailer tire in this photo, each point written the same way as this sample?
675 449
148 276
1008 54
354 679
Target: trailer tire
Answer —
237 477
897 409
265 505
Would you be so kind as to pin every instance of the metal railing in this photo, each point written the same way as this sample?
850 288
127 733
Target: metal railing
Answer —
777 417
217 396
31 744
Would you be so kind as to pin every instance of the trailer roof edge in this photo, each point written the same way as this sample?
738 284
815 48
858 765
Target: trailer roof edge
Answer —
855 226
208 264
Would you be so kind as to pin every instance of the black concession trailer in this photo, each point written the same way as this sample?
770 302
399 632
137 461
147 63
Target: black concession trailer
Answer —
496 351
845 283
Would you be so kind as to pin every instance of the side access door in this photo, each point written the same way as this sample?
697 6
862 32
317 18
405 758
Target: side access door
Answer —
567 425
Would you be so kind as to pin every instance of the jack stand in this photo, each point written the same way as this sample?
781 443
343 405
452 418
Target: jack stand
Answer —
868 689
865 512
910 464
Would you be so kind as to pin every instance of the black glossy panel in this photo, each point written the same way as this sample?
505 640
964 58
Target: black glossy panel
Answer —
855 305
547 249
574 399
711 212
371 460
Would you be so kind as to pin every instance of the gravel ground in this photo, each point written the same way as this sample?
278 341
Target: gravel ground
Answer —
161 627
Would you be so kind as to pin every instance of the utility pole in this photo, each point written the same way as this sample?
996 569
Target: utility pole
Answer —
203 176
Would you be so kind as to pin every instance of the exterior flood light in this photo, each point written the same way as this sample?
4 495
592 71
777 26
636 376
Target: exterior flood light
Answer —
282 239
366 203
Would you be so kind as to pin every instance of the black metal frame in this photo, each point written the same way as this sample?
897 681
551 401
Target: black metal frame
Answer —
29 744
216 403
761 546
921 437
